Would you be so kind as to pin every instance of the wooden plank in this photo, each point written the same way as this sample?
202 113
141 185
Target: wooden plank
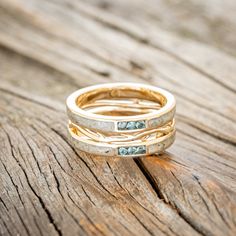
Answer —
210 22
49 186
179 72
181 48
59 190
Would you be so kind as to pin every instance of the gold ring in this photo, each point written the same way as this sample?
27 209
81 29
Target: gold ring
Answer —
121 119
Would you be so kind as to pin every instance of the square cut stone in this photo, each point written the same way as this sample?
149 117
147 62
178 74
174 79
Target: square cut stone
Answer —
140 124
131 125
122 125
123 151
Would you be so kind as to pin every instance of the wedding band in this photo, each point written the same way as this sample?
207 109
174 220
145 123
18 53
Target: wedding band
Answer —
121 119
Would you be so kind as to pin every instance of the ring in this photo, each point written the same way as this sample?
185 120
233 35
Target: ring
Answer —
121 119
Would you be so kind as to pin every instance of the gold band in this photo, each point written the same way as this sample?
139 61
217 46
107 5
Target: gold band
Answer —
121 119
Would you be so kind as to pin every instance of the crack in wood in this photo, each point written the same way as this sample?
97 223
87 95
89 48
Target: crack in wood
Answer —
49 215
159 193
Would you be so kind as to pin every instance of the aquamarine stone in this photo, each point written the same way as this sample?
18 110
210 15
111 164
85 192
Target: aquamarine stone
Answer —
140 125
131 150
131 125
122 125
140 150
123 151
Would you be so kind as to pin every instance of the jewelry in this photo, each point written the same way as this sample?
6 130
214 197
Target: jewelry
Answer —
121 119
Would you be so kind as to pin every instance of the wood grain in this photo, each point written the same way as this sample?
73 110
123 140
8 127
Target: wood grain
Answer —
51 48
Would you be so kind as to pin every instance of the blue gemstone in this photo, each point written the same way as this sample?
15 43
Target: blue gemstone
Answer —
123 151
131 150
122 125
140 150
140 125
131 125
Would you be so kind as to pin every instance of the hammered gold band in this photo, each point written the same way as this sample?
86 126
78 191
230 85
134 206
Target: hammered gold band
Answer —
121 119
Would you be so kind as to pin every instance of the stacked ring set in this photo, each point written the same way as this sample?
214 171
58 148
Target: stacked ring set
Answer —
121 119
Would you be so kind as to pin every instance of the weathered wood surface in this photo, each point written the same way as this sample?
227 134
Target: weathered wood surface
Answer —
51 48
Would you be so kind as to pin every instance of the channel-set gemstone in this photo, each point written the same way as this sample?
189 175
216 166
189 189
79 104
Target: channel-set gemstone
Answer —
140 125
125 151
131 125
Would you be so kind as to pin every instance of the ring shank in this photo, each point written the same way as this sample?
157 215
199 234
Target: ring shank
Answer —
105 123
104 149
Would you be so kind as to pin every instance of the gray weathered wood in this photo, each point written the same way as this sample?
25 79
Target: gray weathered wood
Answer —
51 48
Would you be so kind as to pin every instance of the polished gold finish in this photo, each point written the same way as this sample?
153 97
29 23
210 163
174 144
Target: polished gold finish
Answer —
121 119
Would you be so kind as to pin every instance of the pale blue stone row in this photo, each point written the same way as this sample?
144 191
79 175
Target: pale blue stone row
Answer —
124 151
131 125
